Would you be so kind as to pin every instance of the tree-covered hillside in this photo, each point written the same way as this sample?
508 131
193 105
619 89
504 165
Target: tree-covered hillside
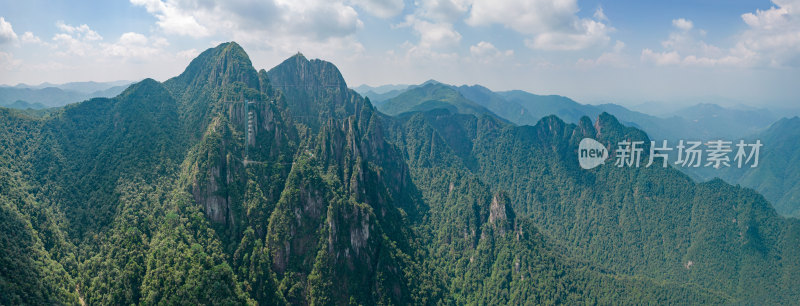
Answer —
231 185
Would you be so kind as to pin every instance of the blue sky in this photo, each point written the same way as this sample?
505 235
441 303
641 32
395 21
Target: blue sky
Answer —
627 52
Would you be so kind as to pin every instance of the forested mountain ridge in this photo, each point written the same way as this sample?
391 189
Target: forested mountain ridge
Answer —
702 121
227 185
653 222
204 189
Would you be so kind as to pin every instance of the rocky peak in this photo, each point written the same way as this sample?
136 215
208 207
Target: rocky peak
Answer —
219 66
606 122
585 127
315 91
610 132
297 71
501 216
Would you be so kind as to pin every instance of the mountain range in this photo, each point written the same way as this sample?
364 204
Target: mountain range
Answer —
48 95
701 121
231 185
698 122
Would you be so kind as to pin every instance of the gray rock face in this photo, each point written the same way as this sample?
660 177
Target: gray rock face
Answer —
208 195
500 214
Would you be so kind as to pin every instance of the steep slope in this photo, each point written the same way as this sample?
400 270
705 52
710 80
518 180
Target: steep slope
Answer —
354 189
87 147
32 264
113 167
316 88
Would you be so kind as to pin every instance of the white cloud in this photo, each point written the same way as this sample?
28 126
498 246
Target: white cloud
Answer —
132 38
68 45
83 43
8 62
553 25
318 19
772 39
773 34
438 39
682 24
7 34
189 53
661 58
433 22
82 32
487 52
29 38
615 58
75 40
172 18
254 20
433 35
685 47
277 27
448 11
133 45
381 8
591 33
599 14
420 54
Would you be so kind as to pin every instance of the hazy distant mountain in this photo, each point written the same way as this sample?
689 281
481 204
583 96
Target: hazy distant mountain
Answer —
522 108
380 93
84 87
725 121
777 176
19 104
50 95
656 108
379 98
701 121
380 89
431 95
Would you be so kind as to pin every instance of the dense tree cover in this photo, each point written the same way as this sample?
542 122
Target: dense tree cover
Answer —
489 255
28 272
639 222
227 185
